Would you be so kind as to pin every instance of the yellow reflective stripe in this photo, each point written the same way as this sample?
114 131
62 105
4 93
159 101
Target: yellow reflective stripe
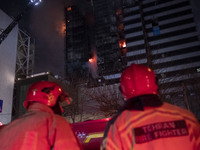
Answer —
92 136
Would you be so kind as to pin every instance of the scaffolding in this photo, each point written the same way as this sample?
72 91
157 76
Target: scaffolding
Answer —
25 55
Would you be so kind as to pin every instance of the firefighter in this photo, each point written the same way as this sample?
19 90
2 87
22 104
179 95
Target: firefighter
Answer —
41 127
145 122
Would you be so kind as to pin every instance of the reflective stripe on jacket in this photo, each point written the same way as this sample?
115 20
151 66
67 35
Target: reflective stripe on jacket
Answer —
152 127
38 129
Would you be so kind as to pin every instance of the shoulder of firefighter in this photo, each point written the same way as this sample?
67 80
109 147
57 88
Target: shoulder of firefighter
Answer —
38 129
65 137
165 127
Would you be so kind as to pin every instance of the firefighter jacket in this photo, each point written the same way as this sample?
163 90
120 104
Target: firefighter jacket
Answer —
38 129
146 123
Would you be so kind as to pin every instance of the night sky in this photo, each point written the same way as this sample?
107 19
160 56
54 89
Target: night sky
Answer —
44 24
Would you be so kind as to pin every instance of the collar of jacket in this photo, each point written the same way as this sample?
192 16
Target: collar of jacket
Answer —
136 103
40 107
139 102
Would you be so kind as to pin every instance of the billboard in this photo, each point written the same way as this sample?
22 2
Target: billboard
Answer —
8 51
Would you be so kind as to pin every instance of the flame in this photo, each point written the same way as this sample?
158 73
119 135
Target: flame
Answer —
61 28
69 8
122 44
94 59
91 60
93 65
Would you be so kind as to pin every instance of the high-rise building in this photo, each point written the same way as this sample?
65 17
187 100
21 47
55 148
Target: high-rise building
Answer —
8 48
77 41
106 37
163 35
159 33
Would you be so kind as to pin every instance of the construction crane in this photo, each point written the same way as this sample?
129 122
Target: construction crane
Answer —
16 20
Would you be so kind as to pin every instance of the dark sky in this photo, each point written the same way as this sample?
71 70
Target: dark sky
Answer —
44 24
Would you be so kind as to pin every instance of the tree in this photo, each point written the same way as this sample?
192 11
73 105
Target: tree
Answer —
106 99
91 103
73 110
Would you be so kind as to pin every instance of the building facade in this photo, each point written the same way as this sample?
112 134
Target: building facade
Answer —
8 49
163 35
159 33
77 41
106 37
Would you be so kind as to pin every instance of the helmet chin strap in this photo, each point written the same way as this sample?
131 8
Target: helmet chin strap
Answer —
62 101
57 109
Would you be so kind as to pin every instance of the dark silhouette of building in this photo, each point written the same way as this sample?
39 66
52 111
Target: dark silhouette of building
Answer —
78 44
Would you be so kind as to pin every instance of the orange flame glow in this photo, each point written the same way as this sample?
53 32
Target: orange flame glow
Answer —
69 8
93 65
61 28
91 60
122 44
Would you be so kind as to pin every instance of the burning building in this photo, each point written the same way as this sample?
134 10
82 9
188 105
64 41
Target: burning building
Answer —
160 34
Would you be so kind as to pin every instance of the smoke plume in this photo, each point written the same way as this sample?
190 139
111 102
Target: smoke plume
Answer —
46 26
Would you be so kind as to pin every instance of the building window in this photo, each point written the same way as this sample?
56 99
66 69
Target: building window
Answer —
155 26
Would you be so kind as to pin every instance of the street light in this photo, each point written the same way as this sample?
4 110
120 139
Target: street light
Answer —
35 2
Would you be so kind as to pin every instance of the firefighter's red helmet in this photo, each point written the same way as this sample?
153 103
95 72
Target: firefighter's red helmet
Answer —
138 80
43 92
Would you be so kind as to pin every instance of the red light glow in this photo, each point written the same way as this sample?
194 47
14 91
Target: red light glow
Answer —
61 28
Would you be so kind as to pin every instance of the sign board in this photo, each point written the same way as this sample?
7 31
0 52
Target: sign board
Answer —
1 105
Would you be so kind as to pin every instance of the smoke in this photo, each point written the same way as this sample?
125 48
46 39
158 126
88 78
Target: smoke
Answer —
46 23
92 64
47 27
